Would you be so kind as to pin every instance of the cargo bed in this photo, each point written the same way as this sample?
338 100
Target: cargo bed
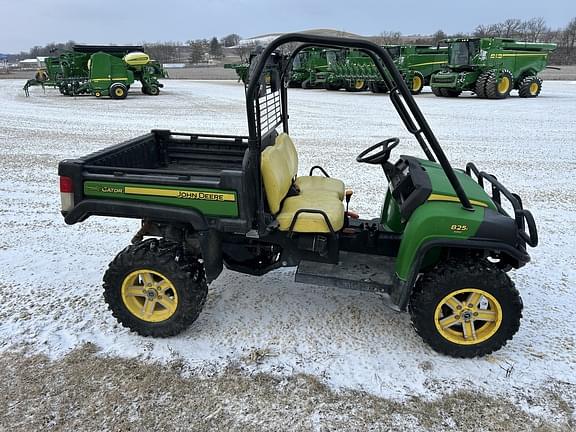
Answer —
164 170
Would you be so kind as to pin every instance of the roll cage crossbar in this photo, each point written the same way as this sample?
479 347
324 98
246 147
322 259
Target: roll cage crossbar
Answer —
400 95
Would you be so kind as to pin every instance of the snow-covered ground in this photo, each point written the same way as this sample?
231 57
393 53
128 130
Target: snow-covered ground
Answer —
50 273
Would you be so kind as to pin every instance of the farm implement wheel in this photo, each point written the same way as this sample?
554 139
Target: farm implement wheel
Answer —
118 91
445 92
531 86
356 86
376 87
437 91
152 289
417 83
499 87
466 309
153 90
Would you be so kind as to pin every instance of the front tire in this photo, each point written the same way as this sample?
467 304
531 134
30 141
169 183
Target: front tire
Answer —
466 309
154 290
499 86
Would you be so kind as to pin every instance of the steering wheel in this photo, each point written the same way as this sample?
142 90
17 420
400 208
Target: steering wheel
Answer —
380 157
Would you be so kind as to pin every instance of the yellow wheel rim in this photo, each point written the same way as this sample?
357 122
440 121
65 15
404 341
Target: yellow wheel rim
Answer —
97 94
359 85
534 88
149 295
119 91
468 316
416 83
503 85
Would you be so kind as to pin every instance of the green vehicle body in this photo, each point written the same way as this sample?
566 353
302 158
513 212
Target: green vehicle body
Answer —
472 59
433 220
208 194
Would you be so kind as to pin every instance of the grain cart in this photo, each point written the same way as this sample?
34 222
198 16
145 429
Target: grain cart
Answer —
439 249
492 68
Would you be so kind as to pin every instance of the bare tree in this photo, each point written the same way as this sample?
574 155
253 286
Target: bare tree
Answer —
438 36
389 38
230 40
244 50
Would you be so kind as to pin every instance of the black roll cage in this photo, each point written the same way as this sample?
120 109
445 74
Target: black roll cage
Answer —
400 96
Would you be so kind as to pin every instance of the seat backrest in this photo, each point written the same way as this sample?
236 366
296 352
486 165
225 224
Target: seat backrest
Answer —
279 166
276 175
285 143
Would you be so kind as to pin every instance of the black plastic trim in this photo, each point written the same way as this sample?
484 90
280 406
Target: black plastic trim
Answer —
138 210
401 292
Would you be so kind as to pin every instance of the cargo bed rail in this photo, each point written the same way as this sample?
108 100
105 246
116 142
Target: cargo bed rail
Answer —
522 216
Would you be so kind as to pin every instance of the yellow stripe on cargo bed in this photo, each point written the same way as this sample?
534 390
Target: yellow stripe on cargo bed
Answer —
174 193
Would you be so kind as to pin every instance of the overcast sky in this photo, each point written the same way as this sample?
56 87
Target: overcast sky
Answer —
24 24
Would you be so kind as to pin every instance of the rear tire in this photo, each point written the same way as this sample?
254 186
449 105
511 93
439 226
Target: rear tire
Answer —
466 308
154 290
530 86
306 84
498 86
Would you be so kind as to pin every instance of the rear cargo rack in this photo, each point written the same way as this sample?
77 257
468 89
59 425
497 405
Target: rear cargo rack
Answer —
522 216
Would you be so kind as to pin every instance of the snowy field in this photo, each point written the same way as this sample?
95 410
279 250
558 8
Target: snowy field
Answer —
50 273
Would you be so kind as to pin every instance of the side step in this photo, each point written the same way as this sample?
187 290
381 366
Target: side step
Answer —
354 271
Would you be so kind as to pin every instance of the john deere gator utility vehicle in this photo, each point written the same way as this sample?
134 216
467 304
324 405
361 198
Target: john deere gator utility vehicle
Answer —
492 68
439 248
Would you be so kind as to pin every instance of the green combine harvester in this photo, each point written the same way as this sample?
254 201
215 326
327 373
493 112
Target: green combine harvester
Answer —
100 71
492 68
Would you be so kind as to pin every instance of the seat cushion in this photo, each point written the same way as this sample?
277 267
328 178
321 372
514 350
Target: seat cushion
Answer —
312 222
318 185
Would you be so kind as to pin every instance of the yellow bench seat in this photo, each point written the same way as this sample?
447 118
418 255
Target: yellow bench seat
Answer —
311 222
318 184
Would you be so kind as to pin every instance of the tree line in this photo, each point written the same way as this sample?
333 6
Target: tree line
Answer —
531 30
207 50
